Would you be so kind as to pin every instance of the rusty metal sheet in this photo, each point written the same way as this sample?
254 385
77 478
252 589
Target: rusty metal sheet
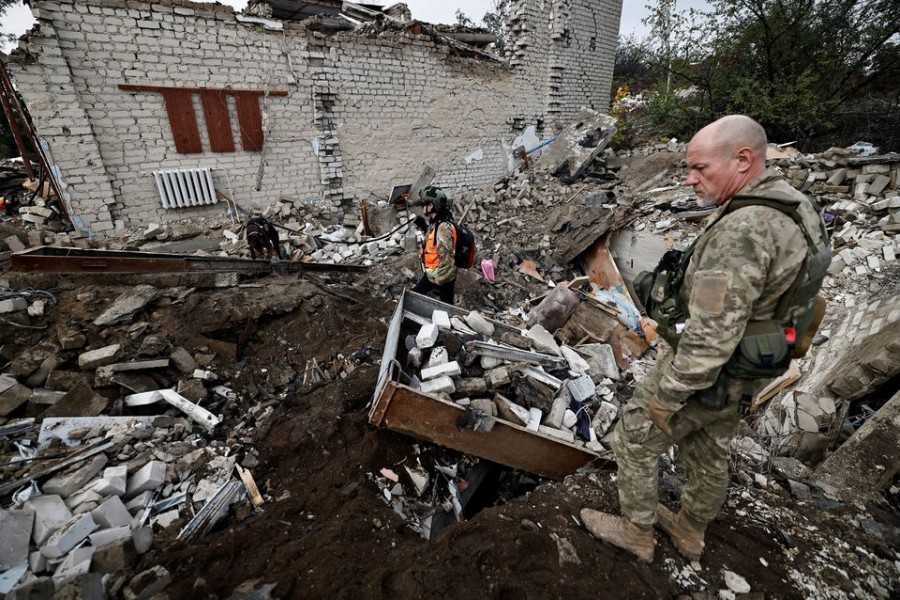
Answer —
403 409
180 108
50 259
218 123
250 121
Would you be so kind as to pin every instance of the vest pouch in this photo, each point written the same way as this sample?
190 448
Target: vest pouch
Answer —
715 397
643 284
763 352
660 287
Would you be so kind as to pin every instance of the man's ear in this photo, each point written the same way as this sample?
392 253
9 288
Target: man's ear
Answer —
745 157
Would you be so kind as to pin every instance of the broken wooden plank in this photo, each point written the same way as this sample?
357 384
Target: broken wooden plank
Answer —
137 365
250 484
789 378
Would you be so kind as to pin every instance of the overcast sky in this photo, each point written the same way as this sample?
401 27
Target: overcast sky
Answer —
18 19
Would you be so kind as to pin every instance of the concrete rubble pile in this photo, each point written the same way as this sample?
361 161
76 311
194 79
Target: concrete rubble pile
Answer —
97 466
529 380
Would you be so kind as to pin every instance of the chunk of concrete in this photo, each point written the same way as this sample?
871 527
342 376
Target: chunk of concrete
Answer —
534 418
427 336
488 410
471 386
37 562
114 482
139 502
15 526
104 537
112 513
66 538
14 243
576 363
78 562
127 305
50 513
438 385
150 477
11 305
183 360
115 556
438 357
450 369
147 584
542 341
32 588
560 434
97 358
479 324
67 484
14 396
510 411
557 411
602 359
70 338
143 539
497 378
87 586
442 319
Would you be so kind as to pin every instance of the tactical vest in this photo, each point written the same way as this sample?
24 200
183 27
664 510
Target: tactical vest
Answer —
428 250
767 346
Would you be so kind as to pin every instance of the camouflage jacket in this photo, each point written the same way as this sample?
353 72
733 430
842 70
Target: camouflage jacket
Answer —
740 268
438 262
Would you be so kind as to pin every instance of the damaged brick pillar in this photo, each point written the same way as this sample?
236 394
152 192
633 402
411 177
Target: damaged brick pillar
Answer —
326 112
53 92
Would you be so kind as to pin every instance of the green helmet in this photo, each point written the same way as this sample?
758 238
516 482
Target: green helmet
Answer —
435 196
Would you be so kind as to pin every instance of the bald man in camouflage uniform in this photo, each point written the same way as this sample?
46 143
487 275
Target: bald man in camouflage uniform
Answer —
740 267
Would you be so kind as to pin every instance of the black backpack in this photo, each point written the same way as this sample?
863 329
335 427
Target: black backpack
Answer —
465 247
464 252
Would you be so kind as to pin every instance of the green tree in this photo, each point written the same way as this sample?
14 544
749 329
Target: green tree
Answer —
795 65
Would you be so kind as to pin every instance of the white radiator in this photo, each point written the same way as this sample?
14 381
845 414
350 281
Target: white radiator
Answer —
185 187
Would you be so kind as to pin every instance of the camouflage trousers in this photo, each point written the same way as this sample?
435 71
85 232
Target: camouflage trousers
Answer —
703 437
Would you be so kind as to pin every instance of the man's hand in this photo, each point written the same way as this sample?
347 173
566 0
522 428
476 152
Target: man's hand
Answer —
660 415
420 223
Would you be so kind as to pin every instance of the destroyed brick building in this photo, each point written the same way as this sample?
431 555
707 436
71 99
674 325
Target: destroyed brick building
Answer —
320 101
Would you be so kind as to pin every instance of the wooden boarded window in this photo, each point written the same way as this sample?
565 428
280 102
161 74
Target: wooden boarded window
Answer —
183 121
249 121
218 122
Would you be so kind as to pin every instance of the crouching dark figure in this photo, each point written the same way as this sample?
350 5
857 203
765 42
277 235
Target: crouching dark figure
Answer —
262 239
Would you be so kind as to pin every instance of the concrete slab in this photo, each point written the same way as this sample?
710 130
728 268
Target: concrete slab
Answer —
78 562
151 476
66 538
67 484
112 513
50 513
15 531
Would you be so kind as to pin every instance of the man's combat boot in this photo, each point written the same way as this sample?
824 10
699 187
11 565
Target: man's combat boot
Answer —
687 537
620 532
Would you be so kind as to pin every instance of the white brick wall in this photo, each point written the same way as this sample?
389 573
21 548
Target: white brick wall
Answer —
382 105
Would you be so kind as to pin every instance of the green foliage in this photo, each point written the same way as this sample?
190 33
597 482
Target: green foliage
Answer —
495 21
463 19
794 65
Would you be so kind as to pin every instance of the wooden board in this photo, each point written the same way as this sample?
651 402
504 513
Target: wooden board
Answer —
180 108
218 123
250 121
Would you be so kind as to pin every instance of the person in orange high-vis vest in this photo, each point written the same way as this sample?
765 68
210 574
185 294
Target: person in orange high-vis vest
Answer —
438 248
